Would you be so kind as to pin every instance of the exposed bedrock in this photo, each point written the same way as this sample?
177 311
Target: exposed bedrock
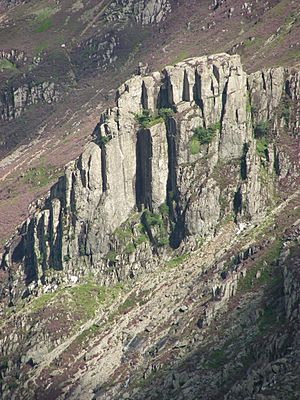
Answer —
169 181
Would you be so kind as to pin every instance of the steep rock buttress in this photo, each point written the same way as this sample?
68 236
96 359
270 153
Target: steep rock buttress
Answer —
182 151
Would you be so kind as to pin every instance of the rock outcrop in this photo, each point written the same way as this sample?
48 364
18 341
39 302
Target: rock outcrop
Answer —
13 55
14 99
180 152
144 12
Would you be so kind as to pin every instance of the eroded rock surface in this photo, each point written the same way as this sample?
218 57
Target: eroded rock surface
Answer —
200 158
168 186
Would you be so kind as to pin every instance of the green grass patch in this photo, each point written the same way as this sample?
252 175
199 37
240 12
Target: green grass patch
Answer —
123 234
180 56
165 113
129 249
111 256
194 146
251 42
87 333
89 296
140 239
7 65
41 176
43 19
40 48
203 136
44 25
174 262
146 119
164 209
262 147
264 266
132 300
42 301
154 223
150 219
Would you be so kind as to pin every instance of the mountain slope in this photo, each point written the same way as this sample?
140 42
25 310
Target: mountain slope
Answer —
159 257
104 42
185 206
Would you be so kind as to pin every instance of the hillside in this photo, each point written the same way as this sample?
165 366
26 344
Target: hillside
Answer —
157 146
52 96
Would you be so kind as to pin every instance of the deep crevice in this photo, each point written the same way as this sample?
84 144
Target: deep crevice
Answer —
175 214
165 95
276 162
244 169
264 81
144 97
55 257
224 101
30 262
103 169
238 203
143 186
197 93
186 88
216 73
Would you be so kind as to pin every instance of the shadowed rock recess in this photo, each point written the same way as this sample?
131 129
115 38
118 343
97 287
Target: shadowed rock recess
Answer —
185 166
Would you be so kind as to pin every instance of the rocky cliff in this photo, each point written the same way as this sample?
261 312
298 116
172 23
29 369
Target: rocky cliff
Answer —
172 237
14 100
145 12
181 152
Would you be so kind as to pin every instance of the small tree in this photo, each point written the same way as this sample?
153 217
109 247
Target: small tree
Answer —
165 113
143 119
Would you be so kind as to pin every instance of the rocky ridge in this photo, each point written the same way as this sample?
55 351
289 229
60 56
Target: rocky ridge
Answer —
14 100
183 188
157 182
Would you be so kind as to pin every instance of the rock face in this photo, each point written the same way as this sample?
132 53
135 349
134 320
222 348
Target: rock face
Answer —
15 99
15 56
95 52
198 153
168 182
10 3
144 12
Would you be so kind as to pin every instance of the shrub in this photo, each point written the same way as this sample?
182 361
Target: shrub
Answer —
111 256
140 239
164 209
261 146
129 248
194 146
206 135
151 219
285 111
203 136
146 119
6 64
261 129
103 140
165 113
